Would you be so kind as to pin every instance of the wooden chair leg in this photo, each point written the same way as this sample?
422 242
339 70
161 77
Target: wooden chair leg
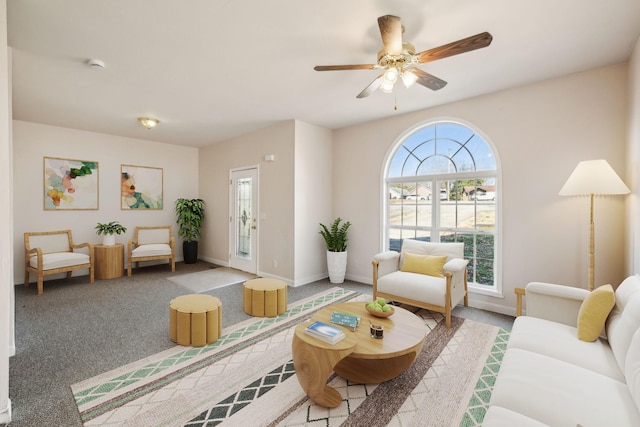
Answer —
447 319
69 274
40 284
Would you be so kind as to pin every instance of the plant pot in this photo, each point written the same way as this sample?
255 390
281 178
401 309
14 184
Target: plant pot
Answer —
337 265
190 252
108 239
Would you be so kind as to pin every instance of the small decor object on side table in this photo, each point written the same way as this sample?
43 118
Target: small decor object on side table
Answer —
108 230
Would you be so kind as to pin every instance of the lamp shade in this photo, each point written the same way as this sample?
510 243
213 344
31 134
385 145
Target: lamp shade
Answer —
593 177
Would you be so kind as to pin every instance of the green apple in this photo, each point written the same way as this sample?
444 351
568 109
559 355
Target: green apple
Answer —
381 301
386 308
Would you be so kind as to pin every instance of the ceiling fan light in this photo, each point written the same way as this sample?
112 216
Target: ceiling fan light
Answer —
390 76
387 87
148 122
408 78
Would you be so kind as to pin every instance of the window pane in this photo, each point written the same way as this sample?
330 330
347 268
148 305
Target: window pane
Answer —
457 210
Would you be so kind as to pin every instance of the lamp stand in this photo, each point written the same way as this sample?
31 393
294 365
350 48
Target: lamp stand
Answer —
592 249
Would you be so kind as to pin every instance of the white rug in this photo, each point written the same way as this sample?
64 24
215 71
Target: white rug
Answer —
211 279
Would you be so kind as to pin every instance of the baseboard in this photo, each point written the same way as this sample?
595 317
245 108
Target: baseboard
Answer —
275 276
214 261
12 350
366 280
495 308
5 414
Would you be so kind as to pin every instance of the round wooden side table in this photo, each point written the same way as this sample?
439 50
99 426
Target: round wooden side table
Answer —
109 261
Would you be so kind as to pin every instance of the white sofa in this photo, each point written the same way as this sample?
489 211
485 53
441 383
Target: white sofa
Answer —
549 377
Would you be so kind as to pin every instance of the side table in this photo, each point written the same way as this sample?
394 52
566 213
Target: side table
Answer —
109 262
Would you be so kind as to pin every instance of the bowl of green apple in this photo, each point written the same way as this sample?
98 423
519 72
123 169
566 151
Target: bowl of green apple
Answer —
379 308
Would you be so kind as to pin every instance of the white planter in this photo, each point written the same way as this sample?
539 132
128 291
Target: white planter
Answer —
108 239
337 264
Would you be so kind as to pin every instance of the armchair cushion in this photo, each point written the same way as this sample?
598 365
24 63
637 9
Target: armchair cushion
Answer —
60 260
414 286
594 311
424 264
151 249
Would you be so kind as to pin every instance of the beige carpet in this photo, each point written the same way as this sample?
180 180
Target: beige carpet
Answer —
211 279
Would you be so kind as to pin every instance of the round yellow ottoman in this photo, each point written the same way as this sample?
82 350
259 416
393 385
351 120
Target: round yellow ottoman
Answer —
264 297
195 319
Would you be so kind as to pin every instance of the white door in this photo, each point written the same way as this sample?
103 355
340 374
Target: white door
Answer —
243 221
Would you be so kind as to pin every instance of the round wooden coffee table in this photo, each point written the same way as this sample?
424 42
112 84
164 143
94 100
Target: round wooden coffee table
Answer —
358 357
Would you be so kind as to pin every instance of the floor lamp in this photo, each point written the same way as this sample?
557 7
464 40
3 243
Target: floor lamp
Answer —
592 177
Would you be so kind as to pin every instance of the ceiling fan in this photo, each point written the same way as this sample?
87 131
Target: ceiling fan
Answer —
398 59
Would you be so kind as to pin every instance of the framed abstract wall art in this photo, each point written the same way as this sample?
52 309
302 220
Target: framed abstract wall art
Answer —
141 187
70 184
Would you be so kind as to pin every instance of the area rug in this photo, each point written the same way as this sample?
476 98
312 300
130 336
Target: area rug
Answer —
203 281
247 378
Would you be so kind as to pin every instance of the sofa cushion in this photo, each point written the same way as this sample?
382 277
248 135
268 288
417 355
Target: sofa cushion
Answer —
157 249
624 320
594 311
414 286
561 342
59 260
497 416
558 393
424 264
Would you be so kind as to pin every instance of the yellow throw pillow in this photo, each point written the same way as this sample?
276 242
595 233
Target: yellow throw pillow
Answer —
594 311
424 264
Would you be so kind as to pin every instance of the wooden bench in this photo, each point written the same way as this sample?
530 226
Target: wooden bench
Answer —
150 244
52 252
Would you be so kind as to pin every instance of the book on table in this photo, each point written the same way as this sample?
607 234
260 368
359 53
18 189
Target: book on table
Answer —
345 319
327 333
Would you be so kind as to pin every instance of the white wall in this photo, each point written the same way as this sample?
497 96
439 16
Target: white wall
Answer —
541 132
6 275
313 200
276 209
31 142
633 164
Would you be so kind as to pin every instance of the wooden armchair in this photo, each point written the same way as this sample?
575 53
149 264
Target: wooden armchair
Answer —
151 243
51 252
394 280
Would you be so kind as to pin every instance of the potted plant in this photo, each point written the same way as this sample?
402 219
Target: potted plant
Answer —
336 241
190 214
107 230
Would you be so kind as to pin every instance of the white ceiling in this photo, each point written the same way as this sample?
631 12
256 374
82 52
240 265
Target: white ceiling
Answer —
214 69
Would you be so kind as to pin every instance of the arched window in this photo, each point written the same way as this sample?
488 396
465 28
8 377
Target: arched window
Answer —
441 185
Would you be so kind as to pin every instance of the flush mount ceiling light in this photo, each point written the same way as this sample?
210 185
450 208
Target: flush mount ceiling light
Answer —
148 122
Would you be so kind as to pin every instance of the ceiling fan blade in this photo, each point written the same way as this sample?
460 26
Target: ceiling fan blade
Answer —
391 32
373 86
427 80
455 48
345 67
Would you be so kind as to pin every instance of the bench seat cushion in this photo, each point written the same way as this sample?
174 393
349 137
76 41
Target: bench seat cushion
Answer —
419 287
155 249
55 260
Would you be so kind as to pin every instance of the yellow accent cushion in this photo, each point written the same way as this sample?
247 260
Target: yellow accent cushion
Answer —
424 264
594 312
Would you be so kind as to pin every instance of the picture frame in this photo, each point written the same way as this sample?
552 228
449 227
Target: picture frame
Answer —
141 187
70 184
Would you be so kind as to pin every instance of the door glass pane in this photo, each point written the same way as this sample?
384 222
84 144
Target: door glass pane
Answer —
243 218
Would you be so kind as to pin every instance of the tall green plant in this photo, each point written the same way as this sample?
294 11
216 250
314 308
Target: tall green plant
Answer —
190 214
336 237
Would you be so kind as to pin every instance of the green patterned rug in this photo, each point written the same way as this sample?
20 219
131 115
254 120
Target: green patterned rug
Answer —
247 378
